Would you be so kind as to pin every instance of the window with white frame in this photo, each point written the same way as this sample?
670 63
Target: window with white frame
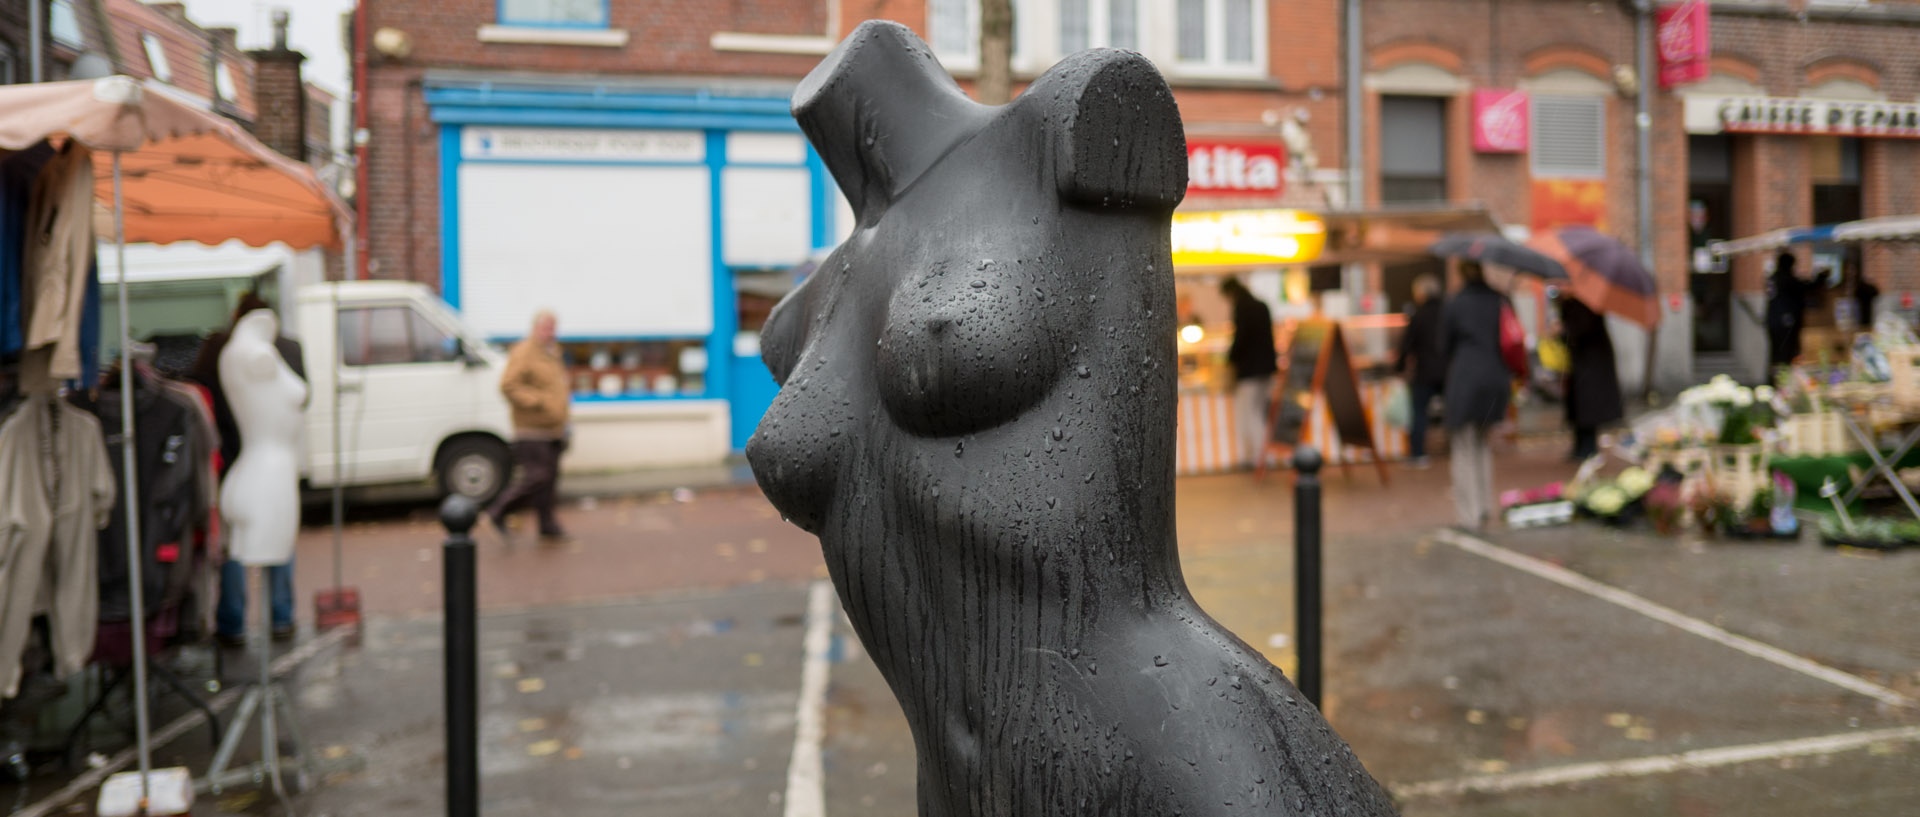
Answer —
1088 24
64 24
1569 138
156 57
1218 34
954 27
554 13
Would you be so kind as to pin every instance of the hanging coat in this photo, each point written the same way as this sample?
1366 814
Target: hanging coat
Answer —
59 252
1593 382
56 491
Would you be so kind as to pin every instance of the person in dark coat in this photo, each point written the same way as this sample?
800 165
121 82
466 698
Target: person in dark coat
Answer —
1476 393
1786 312
230 614
1254 362
1865 295
1422 364
1593 381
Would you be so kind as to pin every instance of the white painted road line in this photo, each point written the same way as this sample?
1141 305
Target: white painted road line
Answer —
86 782
1659 764
1567 578
806 786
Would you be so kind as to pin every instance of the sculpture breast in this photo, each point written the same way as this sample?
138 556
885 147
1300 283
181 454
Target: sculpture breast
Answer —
976 416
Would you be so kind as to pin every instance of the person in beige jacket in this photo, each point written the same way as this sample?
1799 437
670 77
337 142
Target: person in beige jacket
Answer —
535 385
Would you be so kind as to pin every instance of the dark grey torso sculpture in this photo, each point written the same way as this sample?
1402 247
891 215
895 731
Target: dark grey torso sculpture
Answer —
976 417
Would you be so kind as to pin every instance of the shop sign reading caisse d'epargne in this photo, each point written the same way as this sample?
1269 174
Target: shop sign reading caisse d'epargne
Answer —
1797 115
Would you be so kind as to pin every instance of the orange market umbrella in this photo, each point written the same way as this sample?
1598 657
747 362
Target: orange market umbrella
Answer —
1603 273
187 174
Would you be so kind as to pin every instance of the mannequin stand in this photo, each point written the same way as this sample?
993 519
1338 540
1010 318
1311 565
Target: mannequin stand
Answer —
269 700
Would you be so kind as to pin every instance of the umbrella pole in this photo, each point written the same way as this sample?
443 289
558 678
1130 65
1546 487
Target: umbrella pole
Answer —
130 494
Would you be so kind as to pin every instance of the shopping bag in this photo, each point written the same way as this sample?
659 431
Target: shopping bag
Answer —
1399 405
1513 341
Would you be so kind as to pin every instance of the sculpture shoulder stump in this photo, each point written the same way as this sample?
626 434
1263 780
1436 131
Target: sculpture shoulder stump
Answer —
976 418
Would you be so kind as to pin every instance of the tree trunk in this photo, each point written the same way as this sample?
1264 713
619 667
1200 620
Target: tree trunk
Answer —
996 52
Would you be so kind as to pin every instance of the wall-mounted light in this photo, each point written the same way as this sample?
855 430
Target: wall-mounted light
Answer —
1192 333
393 43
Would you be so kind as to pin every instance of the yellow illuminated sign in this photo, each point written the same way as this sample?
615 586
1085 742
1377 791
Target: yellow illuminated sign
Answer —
1226 237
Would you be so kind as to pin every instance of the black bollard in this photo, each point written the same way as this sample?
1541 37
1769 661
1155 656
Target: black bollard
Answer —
1306 570
462 644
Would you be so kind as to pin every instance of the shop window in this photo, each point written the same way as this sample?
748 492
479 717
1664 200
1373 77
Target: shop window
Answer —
1569 136
1218 34
392 335
156 57
1088 24
1413 149
617 369
554 13
64 25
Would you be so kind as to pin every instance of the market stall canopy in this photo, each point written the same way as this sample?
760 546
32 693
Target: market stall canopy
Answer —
1884 228
188 174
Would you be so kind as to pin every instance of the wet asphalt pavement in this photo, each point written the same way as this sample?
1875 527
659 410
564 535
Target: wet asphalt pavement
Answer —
654 665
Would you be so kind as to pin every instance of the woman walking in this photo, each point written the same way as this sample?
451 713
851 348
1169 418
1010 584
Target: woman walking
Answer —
1477 386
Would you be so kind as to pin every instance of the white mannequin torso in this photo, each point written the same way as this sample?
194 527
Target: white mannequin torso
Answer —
260 499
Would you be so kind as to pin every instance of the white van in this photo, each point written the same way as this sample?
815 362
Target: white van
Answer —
419 392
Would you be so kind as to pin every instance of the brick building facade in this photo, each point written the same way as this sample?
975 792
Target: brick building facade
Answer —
470 106
1574 57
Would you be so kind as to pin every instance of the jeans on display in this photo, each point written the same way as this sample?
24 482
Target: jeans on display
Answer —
230 616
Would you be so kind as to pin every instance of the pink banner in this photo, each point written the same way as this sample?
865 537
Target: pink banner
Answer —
1685 47
1499 120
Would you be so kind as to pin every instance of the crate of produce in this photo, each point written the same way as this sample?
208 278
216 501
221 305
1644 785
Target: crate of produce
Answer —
1820 433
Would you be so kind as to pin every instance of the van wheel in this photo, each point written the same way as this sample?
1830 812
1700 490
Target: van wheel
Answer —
475 467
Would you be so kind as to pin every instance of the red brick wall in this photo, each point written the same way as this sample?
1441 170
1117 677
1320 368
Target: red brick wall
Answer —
672 38
403 181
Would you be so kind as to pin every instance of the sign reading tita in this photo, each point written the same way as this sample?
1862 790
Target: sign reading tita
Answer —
1795 115
1234 168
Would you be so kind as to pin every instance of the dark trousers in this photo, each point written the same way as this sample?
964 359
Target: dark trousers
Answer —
539 462
1586 442
1419 409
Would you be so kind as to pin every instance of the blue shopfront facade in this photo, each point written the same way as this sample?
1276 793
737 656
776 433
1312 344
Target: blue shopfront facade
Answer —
655 222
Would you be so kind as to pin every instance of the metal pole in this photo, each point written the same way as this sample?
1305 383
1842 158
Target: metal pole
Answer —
1306 570
339 468
130 492
36 51
458 513
1643 177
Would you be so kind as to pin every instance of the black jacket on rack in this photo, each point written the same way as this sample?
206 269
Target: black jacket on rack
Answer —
171 506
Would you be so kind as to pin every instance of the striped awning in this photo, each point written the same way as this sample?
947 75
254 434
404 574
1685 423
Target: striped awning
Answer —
1884 228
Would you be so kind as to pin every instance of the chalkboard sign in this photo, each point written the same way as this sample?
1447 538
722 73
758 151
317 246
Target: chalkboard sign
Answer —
1318 365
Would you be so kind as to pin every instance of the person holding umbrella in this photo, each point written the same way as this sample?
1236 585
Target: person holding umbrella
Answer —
1477 386
1593 380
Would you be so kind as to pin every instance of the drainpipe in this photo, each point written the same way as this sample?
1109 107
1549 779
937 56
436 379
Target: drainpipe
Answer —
36 31
357 265
1643 175
1355 274
1356 184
